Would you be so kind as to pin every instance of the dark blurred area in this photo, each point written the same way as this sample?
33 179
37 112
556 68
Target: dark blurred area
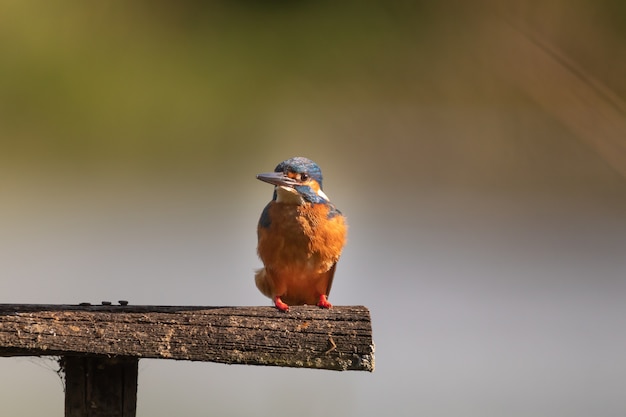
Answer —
477 148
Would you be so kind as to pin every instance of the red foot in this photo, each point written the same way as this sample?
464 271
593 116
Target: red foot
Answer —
323 302
280 305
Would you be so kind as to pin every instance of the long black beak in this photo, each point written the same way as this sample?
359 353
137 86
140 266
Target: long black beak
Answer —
277 178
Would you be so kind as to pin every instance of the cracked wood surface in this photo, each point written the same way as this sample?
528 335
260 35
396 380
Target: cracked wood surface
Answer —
306 336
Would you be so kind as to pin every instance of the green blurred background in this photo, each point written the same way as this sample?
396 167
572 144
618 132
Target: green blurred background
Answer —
477 148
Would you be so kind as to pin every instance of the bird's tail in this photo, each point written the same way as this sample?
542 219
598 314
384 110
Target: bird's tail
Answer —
260 278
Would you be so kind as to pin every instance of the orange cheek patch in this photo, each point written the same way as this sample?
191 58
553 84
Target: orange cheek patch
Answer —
313 185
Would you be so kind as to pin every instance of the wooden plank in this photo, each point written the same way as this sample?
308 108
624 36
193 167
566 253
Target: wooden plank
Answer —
306 336
97 386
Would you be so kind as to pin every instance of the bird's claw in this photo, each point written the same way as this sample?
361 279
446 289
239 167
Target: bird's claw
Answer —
323 302
280 305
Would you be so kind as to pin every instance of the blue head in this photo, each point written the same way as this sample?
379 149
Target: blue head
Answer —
301 168
297 180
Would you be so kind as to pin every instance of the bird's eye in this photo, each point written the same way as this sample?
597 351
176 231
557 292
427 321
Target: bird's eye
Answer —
304 177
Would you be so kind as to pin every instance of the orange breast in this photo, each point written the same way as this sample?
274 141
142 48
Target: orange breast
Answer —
299 249
301 237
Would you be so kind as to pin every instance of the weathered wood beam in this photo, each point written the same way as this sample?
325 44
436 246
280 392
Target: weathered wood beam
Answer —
309 337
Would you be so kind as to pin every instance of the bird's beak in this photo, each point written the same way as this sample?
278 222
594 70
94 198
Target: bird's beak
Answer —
277 178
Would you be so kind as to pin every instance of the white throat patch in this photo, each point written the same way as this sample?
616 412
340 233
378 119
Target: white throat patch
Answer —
289 195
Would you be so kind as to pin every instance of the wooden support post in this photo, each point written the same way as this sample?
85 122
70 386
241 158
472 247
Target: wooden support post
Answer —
99 386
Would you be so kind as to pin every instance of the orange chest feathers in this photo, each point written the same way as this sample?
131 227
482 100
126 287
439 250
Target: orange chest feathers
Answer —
301 237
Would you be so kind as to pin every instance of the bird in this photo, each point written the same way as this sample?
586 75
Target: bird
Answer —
301 235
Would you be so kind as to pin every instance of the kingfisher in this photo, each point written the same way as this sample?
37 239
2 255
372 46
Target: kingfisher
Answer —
300 237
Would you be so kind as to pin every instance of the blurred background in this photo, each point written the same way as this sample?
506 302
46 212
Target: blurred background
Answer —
478 150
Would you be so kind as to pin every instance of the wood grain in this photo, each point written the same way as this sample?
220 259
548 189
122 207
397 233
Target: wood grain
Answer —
306 336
